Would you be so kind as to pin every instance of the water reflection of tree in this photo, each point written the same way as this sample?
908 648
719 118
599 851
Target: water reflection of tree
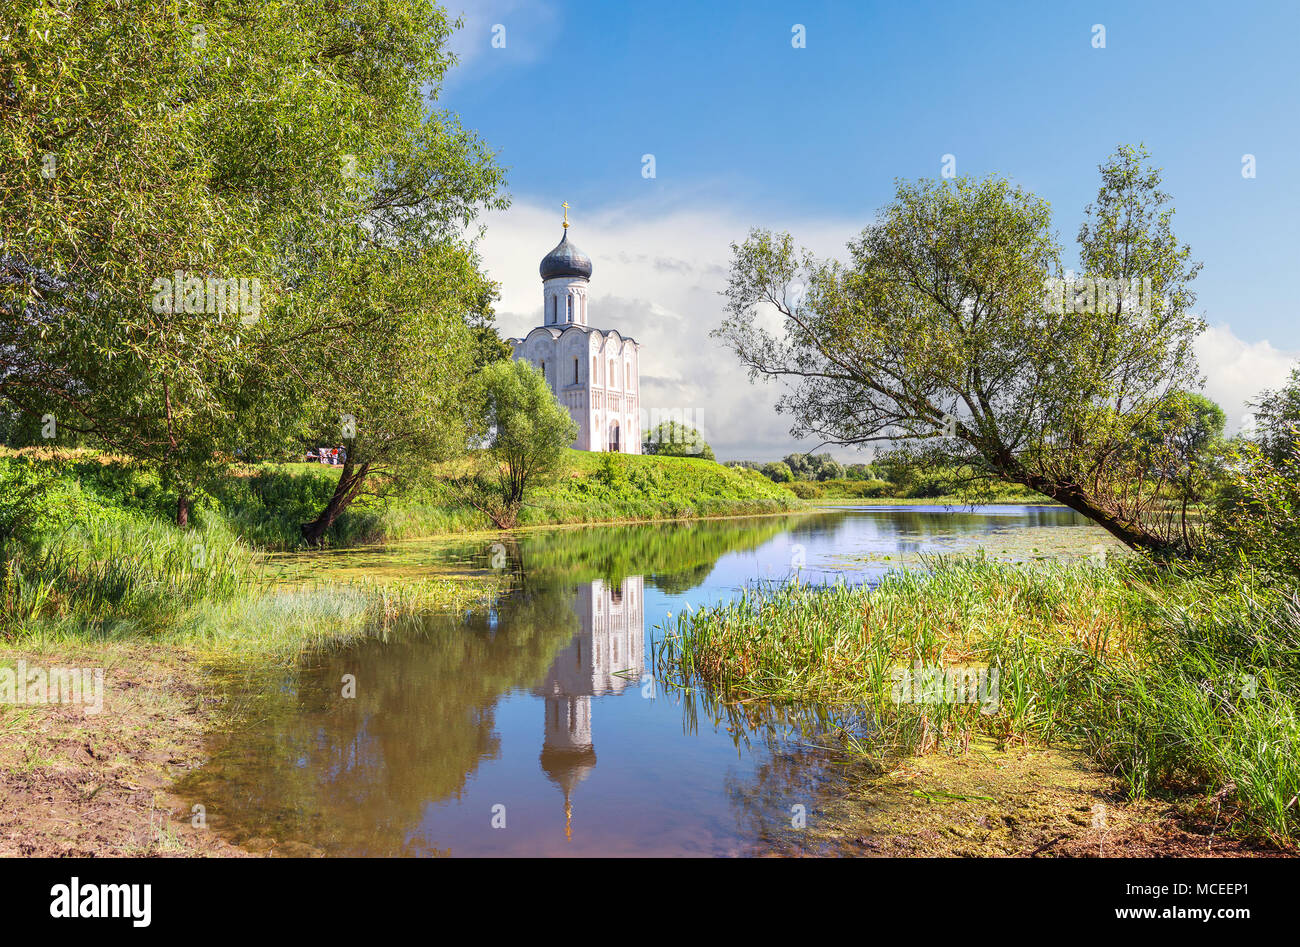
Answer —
803 751
764 802
356 775
672 556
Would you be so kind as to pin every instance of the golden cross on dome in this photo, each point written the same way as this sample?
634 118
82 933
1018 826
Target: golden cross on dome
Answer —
565 205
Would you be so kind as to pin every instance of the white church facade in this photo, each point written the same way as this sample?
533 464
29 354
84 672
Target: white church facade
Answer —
595 373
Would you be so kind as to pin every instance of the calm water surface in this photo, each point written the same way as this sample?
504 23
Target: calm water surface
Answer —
546 704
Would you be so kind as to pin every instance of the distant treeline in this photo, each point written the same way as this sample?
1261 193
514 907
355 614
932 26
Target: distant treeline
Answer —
817 476
809 467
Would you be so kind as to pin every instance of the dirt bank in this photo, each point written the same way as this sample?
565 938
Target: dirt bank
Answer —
75 782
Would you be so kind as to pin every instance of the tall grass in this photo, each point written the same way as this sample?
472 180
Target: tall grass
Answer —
109 577
282 622
133 578
1171 681
1214 703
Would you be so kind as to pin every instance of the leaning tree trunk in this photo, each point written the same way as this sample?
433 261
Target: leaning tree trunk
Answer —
1135 538
345 491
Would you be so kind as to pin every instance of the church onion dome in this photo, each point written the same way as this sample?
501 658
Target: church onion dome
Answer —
565 260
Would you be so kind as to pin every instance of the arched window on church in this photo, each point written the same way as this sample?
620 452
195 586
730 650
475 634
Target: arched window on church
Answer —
542 365
551 315
570 309
575 371
610 379
594 364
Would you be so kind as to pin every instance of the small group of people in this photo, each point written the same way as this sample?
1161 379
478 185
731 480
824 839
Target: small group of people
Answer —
328 455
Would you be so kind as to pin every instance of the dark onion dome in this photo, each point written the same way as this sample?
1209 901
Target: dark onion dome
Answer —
565 260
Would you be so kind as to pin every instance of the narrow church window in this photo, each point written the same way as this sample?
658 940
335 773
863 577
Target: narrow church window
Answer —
575 371
543 367
570 310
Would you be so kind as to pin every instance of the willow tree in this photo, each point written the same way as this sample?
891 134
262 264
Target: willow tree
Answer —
142 139
116 171
392 377
953 337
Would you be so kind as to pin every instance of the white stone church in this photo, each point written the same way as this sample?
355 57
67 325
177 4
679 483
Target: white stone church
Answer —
595 373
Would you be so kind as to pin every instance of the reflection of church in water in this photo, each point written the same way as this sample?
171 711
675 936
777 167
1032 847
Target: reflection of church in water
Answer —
606 656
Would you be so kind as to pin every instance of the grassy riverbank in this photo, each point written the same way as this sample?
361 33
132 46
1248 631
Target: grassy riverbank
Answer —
927 491
264 504
1172 683
955 503
87 549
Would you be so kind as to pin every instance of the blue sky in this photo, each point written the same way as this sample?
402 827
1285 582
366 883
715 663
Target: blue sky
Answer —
748 131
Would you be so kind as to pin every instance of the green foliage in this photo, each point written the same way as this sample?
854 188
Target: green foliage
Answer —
650 488
1277 418
778 472
1255 520
264 505
612 471
870 489
33 499
397 386
43 495
675 439
831 470
814 467
1213 701
119 576
528 432
939 335
290 143
1183 437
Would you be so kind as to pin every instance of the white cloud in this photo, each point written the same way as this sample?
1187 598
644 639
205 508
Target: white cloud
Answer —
657 274
1236 371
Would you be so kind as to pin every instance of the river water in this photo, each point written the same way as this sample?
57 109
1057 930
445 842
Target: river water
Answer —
536 727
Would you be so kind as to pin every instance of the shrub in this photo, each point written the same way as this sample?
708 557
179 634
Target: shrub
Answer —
778 472
1256 519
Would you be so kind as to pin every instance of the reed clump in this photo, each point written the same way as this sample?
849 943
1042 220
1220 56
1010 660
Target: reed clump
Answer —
1172 680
